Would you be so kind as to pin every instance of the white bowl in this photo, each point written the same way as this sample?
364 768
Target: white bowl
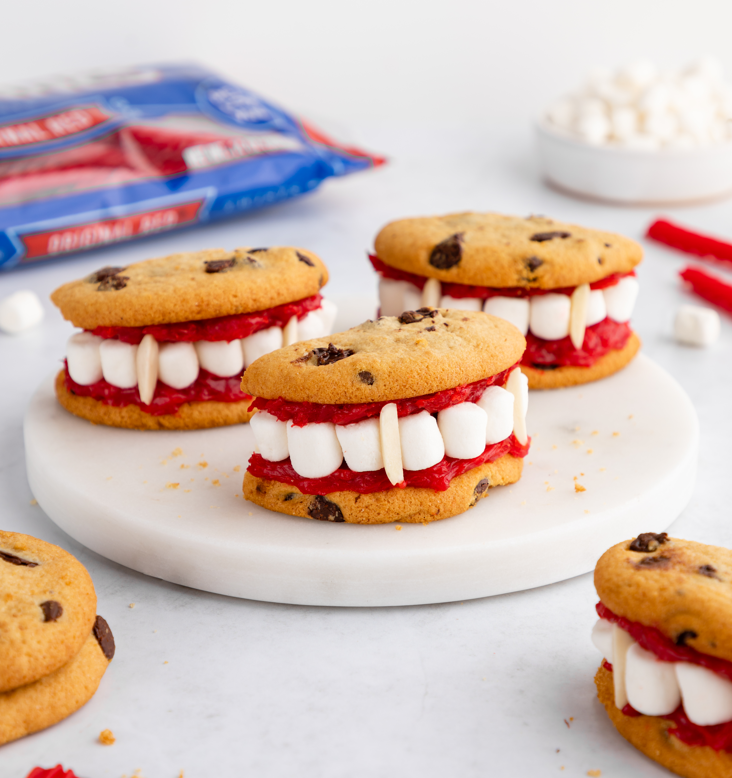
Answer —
632 176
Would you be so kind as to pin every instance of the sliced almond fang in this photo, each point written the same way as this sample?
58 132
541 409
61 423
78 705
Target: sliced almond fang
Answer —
289 332
432 293
622 641
515 385
147 368
391 450
578 315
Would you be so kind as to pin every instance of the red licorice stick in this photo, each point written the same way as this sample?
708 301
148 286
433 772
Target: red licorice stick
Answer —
690 242
708 287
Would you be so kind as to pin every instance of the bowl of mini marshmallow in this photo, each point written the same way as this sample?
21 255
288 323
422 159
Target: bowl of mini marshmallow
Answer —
641 135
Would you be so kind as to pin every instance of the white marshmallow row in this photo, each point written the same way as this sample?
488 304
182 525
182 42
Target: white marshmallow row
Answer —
461 431
548 316
655 688
124 365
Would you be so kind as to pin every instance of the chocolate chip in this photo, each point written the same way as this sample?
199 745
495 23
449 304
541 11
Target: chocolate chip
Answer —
482 486
327 356
533 263
608 245
104 637
708 570
289 496
256 251
410 317
654 561
113 283
648 541
448 253
52 610
600 260
103 274
16 560
541 237
322 509
431 329
219 265
305 259
689 634
366 378
544 367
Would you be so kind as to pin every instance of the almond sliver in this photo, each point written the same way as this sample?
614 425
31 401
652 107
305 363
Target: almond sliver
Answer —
289 332
391 450
622 641
147 368
432 293
578 316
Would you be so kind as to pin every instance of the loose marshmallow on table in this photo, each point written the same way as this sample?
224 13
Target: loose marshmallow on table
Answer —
271 436
119 363
549 317
498 405
314 449
620 299
707 696
513 309
461 303
177 364
83 360
596 308
696 325
421 442
361 444
261 343
650 684
602 637
463 428
220 357
20 311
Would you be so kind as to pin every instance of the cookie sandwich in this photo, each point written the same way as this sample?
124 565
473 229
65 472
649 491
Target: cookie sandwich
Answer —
410 419
54 649
570 290
665 632
165 341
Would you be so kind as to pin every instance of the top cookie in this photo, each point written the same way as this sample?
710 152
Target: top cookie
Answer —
391 358
680 587
47 608
490 249
191 286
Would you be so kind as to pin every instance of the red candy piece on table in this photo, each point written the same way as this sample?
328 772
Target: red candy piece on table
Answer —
51 772
708 287
690 242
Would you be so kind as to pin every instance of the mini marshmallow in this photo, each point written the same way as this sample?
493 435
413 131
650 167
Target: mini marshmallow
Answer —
177 364
314 449
431 293
622 641
261 343
289 332
83 360
549 316
593 128
20 311
518 385
498 406
391 296
220 358
420 441
578 314
328 311
620 299
707 696
624 121
602 638
270 435
463 429
461 303
119 363
311 326
361 444
148 354
596 308
696 325
650 684
412 298
515 310
391 450
561 113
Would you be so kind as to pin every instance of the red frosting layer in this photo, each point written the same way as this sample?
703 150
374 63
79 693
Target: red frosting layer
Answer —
50 772
227 328
303 413
207 387
484 292
437 477
600 339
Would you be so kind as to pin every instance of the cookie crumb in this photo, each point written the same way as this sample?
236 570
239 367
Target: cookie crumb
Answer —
131 605
34 501
251 514
595 432
579 488
165 662
186 491
578 443
172 485
550 488
398 527
523 502
184 467
176 452
586 511
555 447
203 464
237 468
631 416
589 450
594 773
106 738
616 434
215 482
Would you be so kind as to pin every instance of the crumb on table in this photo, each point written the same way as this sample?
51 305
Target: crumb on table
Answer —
215 482
176 452
132 605
237 468
398 527
579 488
203 464
106 738
594 773
172 485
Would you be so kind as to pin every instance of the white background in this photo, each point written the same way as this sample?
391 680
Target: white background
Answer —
470 690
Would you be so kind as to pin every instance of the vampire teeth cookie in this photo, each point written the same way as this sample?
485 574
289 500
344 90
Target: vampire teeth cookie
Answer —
410 419
570 290
664 632
165 341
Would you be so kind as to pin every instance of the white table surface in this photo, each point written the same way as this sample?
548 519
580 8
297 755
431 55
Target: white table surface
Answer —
494 687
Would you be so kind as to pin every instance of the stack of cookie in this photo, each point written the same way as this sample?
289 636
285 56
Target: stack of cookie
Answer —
54 649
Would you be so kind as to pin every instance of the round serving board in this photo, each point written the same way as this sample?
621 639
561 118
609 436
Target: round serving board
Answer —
169 504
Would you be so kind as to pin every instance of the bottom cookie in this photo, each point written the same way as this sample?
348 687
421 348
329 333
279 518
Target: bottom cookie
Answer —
40 704
191 416
649 734
408 506
572 376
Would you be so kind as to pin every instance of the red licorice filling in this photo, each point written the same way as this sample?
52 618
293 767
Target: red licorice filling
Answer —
718 736
600 339
207 387
437 477
227 328
303 413
484 292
